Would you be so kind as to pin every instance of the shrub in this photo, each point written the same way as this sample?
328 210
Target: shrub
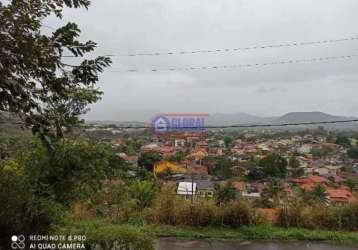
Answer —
237 213
347 217
202 213
165 209
38 185
109 236
297 214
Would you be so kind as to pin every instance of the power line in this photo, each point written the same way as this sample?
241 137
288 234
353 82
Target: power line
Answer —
226 126
233 66
252 125
228 50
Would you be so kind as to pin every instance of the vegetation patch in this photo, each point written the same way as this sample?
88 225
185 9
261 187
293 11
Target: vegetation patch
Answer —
261 232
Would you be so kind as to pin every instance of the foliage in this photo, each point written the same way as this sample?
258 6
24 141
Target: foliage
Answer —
319 195
36 84
174 210
295 169
130 147
227 141
321 152
148 159
226 193
238 213
293 214
274 190
36 187
273 165
178 157
219 166
352 184
143 192
343 141
24 209
260 232
109 236
353 153
316 197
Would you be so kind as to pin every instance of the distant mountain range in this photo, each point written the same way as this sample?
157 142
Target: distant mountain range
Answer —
241 118
293 117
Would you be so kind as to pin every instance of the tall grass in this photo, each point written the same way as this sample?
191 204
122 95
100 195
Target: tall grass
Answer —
319 217
167 208
174 210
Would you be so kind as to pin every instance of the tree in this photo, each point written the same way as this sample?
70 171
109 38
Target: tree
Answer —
35 82
321 152
319 195
343 141
226 193
353 153
274 166
178 157
148 159
219 166
227 141
352 184
274 189
295 169
143 192
37 187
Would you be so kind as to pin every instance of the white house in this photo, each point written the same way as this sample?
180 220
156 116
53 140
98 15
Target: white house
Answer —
186 188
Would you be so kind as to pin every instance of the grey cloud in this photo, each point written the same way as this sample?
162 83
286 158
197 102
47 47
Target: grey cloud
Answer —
127 26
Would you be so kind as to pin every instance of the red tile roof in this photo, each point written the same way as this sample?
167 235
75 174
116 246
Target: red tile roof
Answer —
239 185
341 195
317 179
197 169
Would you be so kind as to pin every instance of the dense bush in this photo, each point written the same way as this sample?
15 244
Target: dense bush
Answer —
38 185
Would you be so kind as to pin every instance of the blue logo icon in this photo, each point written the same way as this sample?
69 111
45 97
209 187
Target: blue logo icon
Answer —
179 122
161 124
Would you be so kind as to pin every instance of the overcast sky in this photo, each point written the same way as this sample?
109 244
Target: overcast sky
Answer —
140 26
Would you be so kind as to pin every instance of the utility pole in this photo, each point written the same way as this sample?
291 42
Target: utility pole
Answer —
192 198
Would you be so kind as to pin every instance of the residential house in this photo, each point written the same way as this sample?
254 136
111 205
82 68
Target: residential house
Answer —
164 151
304 149
341 196
321 171
179 143
197 169
202 144
186 188
197 154
205 188
328 170
308 182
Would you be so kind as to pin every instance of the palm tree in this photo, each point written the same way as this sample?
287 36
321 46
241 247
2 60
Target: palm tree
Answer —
275 190
143 193
351 184
319 195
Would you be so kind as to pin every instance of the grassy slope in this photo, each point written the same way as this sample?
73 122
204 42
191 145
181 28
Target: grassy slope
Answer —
254 233
99 230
